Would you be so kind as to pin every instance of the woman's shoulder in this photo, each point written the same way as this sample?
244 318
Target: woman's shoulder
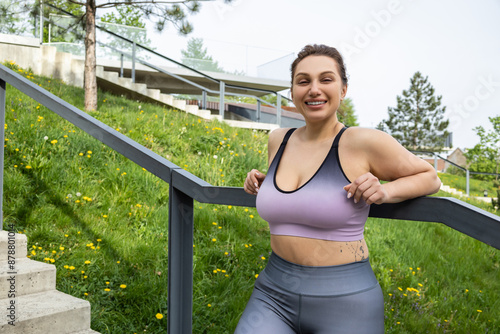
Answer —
276 136
365 136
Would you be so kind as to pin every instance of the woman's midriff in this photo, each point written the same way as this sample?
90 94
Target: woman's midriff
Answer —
316 252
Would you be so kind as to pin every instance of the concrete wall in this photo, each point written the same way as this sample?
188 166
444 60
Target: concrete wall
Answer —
42 59
24 51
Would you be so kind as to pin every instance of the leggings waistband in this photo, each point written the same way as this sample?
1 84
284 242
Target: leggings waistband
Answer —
338 280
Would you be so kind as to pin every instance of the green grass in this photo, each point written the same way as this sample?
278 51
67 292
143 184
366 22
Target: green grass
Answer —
476 187
77 201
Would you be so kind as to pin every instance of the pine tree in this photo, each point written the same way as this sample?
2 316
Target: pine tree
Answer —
197 57
418 120
346 113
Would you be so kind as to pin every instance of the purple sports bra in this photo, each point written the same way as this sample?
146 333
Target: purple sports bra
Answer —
319 209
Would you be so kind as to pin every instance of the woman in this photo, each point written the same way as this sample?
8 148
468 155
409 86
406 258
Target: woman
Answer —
321 181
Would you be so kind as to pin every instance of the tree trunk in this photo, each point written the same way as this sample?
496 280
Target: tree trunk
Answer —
90 81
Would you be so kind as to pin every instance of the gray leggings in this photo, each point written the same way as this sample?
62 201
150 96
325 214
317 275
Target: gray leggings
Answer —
291 298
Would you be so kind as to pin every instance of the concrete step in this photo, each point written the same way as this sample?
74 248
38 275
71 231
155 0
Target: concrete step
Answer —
110 76
51 312
191 109
140 88
167 99
179 104
14 245
88 331
154 93
204 113
30 276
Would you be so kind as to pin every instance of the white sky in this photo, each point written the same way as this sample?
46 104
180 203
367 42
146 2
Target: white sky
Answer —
455 43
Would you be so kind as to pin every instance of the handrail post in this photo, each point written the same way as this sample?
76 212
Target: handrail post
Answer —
204 100
41 22
180 261
278 109
259 107
221 102
2 139
133 62
121 65
467 181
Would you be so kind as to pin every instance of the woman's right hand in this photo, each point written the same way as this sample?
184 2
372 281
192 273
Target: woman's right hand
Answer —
253 181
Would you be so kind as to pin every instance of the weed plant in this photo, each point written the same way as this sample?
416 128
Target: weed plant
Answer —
102 221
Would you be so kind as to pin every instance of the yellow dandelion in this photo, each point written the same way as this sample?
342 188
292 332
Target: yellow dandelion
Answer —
123 286
159 316
107 290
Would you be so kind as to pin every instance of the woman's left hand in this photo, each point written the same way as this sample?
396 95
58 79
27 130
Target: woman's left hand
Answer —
368 188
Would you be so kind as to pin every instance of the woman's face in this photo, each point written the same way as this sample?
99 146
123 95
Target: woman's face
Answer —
317 88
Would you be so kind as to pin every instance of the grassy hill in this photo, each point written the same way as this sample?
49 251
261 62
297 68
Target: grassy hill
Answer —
102 221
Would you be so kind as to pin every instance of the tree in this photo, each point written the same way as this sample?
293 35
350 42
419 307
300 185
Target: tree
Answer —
161 12
485 156
418 120
196 56
346 113
11 17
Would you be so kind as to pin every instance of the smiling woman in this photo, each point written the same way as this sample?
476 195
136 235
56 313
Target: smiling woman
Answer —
322 179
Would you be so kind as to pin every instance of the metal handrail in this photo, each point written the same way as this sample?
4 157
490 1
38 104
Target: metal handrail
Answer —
222 84
466 170
185 188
